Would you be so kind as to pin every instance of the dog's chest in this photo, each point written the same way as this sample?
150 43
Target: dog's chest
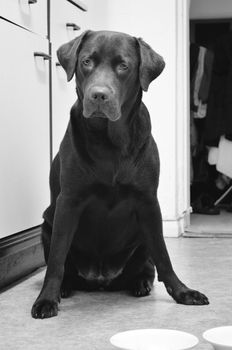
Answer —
109 220
113 171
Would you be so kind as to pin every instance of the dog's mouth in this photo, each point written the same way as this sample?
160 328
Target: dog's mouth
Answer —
98 113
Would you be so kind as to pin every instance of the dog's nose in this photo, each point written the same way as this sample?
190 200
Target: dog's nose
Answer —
99 94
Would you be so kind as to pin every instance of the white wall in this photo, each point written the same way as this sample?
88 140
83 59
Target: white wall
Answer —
96 17
200 9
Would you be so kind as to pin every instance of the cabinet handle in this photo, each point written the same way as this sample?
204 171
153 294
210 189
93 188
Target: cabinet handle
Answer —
58 64
32 2
79 4
74 26
42 54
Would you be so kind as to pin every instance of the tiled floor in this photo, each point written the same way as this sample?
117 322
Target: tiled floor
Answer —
86 321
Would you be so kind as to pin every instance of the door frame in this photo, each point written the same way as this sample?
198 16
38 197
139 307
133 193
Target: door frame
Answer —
183 112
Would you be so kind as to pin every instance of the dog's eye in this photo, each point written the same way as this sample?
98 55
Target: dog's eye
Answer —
123 66
87 62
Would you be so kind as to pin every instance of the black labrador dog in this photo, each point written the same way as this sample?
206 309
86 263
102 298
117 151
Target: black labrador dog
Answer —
103 228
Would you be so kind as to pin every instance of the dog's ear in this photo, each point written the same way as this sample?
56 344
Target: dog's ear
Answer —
68 54
151 64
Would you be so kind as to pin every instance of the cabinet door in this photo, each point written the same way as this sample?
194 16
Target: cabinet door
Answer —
24 131
31 14
65 21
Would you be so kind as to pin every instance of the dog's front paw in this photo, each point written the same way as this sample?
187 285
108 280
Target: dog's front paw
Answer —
44 309
188 296
142 287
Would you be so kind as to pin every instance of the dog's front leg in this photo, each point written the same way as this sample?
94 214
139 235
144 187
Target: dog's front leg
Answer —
65 224
151 223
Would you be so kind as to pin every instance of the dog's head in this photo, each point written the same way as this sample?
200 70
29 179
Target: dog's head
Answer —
110 69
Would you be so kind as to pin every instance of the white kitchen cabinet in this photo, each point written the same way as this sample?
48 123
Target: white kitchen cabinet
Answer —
34 94
31 14
31 103
24 131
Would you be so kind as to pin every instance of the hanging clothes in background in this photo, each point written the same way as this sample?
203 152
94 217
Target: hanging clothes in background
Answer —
200 75
203 93
205 106
201 63
200 111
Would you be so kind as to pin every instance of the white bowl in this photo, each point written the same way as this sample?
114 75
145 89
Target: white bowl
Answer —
220 337
154 339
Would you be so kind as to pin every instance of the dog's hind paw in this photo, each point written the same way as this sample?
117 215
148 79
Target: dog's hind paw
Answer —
65 291
142 288
44 309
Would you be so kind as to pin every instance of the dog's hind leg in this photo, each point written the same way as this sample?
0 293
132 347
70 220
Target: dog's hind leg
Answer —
142 283
138 275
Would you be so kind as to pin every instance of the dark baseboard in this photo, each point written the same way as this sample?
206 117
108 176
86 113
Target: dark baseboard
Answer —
20 254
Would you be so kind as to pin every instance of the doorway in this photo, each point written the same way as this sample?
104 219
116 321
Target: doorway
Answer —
210 185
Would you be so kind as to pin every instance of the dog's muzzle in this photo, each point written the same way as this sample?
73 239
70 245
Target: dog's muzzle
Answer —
100 101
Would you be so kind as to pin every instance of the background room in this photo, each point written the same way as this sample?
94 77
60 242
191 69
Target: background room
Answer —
210 118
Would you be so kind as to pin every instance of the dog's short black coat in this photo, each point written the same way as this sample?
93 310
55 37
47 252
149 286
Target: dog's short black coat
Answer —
103 228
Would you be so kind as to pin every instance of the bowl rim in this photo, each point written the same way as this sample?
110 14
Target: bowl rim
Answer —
206 335
195 339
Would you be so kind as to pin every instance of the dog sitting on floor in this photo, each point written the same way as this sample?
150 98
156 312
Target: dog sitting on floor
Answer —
103 228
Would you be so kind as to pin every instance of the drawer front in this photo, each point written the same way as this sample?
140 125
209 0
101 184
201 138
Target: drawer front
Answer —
31 14
24 132
67 21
